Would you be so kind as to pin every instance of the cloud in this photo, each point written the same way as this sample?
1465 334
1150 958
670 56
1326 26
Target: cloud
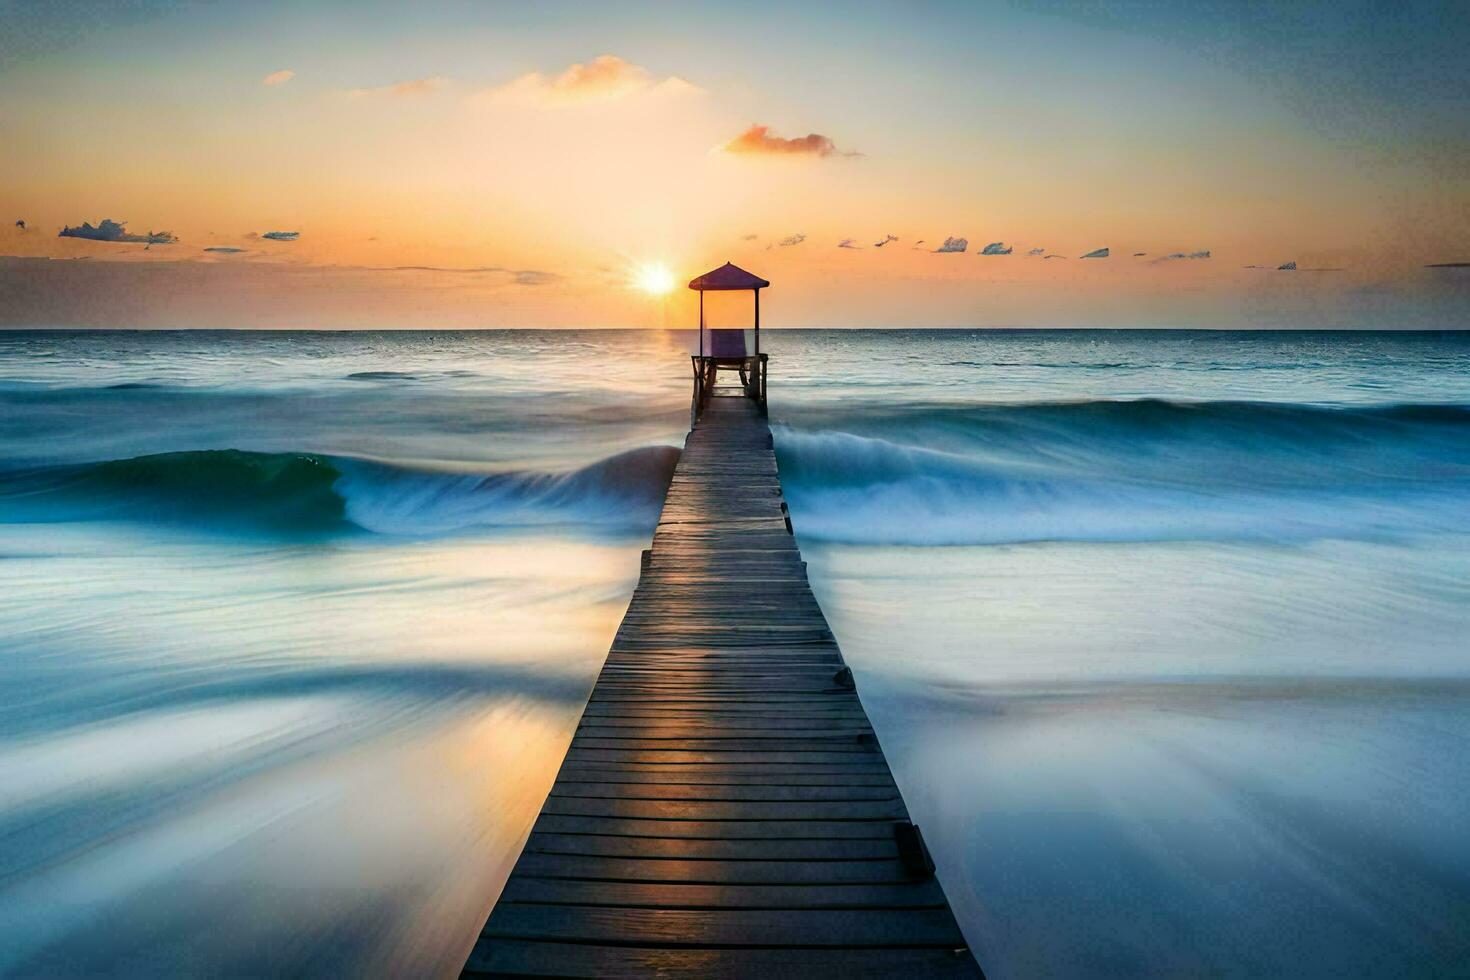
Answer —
1201 254
758 140
997 248
115 231
885 241
224 249
602 79
278 77
954 245
1286 267
791 240
535 277
1137 255
411 88
848 243
1097 253
749 238
1448 265
1037 251
282 236
1053 256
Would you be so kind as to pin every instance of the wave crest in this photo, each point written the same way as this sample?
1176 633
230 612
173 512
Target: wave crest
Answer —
305 493
1139 470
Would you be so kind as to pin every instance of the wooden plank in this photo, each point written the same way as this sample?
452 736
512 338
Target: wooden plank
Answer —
710 872
570 823
724 808
743 810
728 927
704 849
561 891
511 957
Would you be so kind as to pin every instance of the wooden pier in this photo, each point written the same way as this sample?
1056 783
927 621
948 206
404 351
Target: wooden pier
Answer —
725 809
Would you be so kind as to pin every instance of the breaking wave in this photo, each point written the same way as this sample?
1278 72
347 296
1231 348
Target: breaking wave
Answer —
288 493
1127 471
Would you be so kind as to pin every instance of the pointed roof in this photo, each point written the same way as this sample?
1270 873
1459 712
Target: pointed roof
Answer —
727 276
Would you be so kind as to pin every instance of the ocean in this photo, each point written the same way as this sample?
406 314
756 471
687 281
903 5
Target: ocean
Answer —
1166 635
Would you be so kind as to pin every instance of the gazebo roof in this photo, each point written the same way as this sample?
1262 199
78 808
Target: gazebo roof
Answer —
727 276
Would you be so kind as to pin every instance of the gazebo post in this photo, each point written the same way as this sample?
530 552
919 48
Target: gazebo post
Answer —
757 322
701 323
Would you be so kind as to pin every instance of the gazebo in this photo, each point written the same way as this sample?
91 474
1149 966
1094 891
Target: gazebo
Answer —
725 348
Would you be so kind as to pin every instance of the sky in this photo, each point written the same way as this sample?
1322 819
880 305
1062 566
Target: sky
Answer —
522 165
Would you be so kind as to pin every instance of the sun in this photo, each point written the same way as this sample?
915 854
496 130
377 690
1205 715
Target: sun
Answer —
654 278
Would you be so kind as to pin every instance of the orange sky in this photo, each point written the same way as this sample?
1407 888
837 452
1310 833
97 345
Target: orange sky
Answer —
453 170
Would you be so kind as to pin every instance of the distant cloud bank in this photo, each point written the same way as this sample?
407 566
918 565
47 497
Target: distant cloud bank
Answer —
407 89
759 140
604 78
115 231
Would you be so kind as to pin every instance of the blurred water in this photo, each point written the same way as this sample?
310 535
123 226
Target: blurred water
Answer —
1163 632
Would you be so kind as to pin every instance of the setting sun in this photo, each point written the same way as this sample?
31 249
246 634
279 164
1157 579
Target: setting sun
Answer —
654 278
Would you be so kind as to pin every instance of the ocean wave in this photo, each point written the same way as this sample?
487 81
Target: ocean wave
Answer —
1127 471
305 493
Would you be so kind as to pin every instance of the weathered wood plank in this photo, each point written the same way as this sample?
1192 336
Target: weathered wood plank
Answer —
728 927
704 849
511 957
561 891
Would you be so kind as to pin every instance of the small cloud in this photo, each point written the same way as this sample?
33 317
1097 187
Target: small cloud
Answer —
224 249
954 245
1286 267
535 277
1037 251
411 88
917 243
1138 255
1202 254
282 236
1053 256
790 240
996 248
759 140
885 241
749 238
278 77
20 223
1097 253
115 231
604 78
1439 265
848 243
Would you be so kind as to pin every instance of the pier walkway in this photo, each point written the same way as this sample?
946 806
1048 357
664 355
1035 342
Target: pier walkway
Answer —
724 809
